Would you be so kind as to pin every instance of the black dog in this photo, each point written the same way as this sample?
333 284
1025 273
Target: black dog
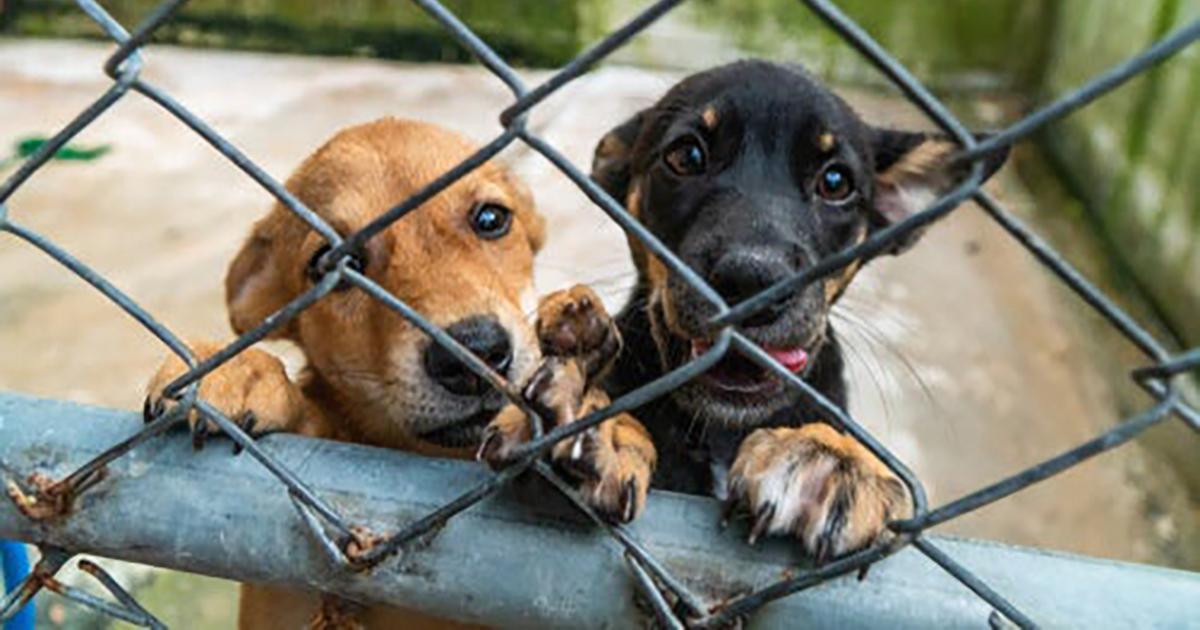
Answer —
751 172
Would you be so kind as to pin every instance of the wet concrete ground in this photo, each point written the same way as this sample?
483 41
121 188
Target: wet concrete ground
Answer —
969 361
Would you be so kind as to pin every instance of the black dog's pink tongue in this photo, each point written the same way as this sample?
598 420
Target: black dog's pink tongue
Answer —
794 359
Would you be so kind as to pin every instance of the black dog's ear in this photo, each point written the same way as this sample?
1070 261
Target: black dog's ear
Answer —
912 170
611 167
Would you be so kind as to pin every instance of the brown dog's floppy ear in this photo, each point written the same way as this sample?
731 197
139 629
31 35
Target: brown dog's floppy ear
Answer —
253 286
611 160
912 170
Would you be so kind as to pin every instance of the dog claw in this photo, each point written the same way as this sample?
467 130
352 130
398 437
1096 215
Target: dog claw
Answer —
538 383
628 500
152 410
761 521
199 434
247 421
728 507
822 551
580 460
488 447
862 573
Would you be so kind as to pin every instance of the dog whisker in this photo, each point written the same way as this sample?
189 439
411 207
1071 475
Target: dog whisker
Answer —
868 333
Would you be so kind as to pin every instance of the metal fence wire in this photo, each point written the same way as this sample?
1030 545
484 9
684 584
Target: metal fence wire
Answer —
674 604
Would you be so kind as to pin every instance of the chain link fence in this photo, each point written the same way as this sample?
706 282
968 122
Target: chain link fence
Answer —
675 604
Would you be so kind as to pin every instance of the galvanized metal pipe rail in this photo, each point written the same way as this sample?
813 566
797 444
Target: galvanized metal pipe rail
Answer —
213 513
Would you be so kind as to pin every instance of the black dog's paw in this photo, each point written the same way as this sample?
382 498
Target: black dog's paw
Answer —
574 323
816 485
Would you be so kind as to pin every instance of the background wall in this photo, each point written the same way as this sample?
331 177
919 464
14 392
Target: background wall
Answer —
1134 156
1129 157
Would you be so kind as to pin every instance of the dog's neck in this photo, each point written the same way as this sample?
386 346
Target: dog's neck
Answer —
326 400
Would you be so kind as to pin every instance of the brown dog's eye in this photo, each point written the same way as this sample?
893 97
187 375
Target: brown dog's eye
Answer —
686 157
490 220
315 273
835 183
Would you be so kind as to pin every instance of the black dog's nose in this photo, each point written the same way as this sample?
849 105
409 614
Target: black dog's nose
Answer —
738 276
486 339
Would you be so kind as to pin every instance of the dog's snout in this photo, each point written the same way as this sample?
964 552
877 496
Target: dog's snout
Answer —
486 339
738 276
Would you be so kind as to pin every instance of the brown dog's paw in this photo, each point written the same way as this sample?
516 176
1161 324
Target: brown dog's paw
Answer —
574 323
612 464
555 391
817 485
509 429
251 389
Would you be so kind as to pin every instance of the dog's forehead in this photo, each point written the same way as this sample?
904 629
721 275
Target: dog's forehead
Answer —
779 107
764 96
487 184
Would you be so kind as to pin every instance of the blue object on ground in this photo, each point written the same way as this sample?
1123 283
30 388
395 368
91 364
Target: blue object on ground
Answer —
15 564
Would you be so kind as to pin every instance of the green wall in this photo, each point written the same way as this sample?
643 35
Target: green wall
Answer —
1134 155
952 44
527 32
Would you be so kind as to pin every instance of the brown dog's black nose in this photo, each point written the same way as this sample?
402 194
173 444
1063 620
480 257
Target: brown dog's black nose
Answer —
738 276
486 339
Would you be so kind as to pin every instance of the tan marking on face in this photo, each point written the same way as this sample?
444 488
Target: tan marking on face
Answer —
836 286
826 142
655 271
710 117
633 203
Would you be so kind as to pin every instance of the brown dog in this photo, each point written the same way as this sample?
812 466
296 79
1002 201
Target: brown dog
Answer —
464 260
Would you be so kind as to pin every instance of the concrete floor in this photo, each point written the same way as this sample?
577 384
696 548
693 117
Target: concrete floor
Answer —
968 360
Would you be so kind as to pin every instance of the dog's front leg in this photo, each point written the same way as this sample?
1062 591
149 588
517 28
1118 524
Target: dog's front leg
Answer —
251 388
612 462
817 485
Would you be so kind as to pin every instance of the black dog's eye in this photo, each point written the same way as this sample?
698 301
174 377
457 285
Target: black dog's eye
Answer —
490 220
357 262
835 183
686 157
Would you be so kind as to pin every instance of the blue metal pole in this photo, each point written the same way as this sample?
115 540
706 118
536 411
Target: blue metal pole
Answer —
15 565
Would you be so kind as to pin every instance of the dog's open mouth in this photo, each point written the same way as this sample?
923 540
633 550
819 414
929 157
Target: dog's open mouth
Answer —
737 376
465 433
